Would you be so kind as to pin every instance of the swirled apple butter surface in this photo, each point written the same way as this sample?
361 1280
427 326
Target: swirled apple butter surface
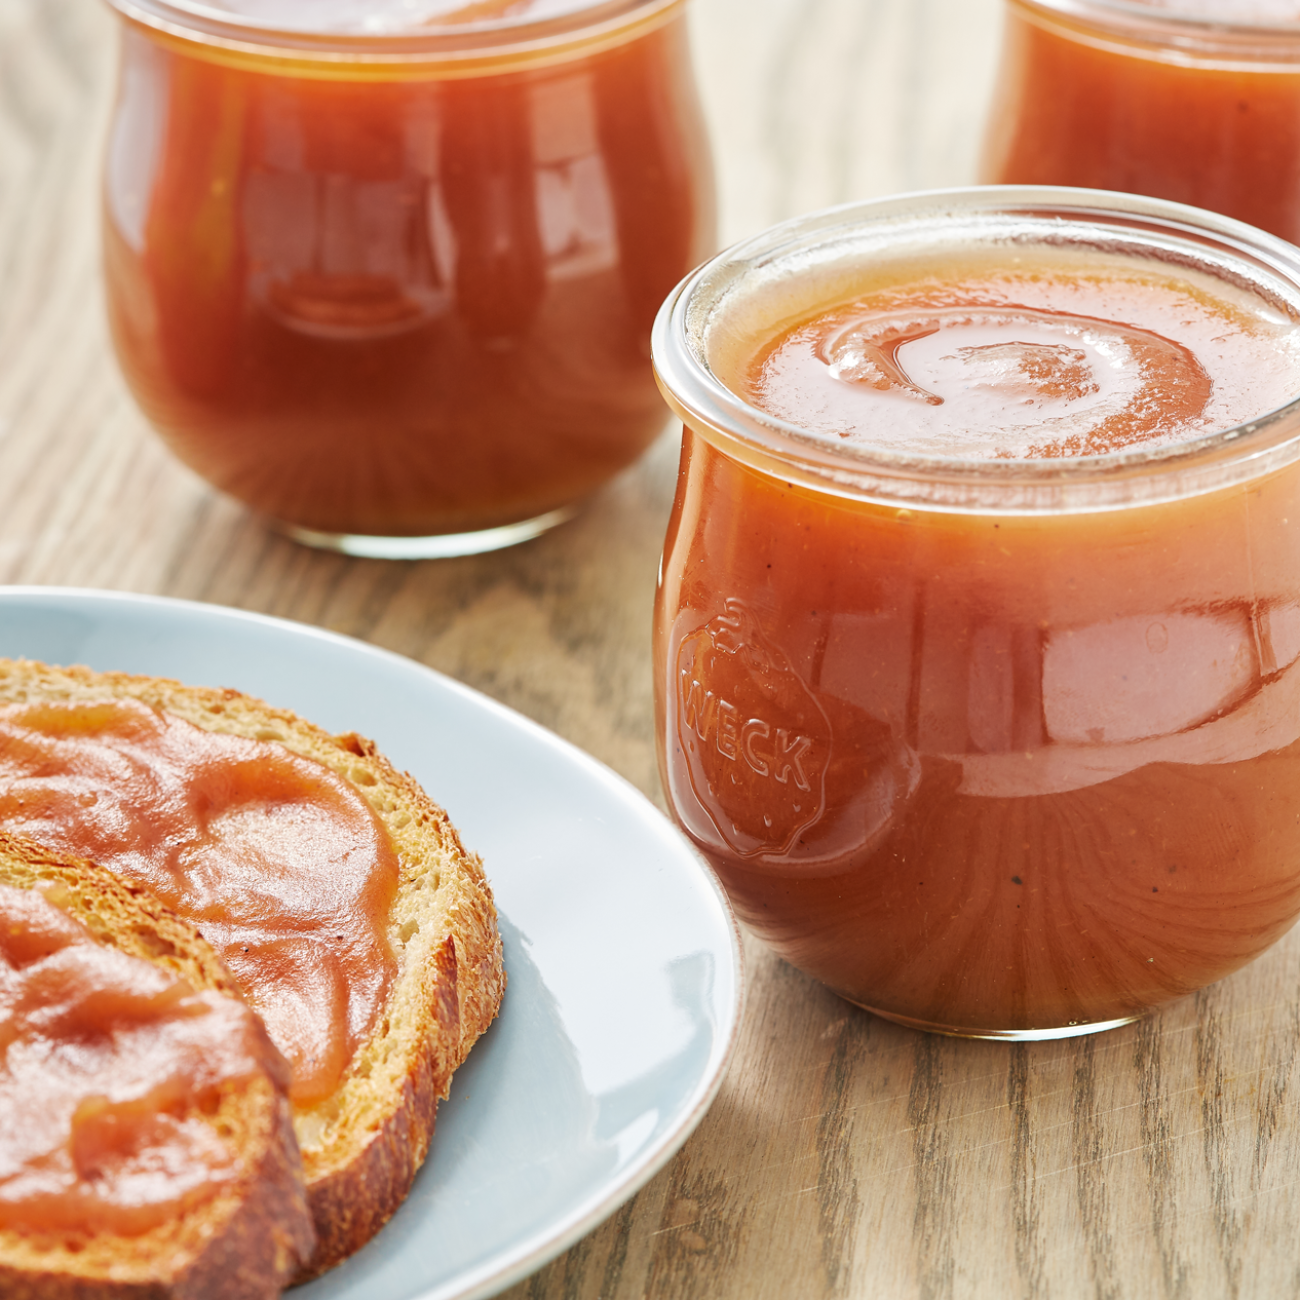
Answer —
1004 770
107 1061
282 865
1057 357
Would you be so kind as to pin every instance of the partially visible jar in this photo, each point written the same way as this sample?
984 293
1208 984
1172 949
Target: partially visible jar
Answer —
389 279
1192 100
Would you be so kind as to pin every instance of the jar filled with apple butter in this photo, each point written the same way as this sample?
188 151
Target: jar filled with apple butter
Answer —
386 272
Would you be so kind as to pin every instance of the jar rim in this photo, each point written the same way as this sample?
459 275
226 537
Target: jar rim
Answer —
1026 486
1195 36
589 23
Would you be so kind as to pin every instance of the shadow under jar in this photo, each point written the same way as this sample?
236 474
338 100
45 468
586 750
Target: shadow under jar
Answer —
389 278
977 639
1192 100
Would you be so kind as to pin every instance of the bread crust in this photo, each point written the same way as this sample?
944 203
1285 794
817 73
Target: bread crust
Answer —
249 1240
362 1148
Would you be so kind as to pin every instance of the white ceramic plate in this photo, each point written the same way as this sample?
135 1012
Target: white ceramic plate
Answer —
623 961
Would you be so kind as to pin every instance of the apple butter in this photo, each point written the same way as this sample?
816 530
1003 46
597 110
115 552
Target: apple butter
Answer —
977 640
282 866
389 270
108 1065
1192 100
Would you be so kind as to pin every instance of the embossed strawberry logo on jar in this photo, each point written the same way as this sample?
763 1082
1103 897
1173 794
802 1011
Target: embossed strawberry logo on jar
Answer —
755 739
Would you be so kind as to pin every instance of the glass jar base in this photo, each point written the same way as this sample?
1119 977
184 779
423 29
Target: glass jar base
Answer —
439 546
1004 1035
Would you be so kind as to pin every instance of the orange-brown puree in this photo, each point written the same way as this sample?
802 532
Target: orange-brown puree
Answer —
1041 359
1073 108
281 864
106 1064
993 772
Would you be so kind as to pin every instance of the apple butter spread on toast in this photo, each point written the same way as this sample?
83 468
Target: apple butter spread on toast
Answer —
335 890
146 1148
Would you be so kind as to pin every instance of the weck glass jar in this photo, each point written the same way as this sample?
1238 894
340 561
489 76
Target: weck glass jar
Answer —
977 637
386 271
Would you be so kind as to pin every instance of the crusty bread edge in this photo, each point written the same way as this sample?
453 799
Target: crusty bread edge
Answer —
234 1257
353 1196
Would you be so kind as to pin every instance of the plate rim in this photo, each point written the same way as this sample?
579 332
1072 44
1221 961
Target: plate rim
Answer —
531 1253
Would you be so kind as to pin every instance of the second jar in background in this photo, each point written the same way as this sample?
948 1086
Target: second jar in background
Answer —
1192 100
393 286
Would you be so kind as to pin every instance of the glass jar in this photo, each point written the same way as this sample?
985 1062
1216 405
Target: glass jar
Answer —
393 286
1192 100
1003 747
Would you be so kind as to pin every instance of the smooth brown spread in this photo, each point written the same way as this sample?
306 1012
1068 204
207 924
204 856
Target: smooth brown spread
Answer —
1044 354
106 1064
282 865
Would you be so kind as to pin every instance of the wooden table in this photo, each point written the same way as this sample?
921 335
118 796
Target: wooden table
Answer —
844 1156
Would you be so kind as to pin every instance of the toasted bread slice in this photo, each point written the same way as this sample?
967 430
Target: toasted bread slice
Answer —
247 1237
362 1147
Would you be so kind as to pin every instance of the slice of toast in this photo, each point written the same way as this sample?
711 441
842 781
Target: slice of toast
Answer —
363 1145
241 1238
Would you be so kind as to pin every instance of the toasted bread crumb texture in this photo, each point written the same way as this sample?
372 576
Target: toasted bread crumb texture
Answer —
248 1240
362 1147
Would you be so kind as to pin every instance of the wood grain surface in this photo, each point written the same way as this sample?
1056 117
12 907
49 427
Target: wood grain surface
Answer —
845 1157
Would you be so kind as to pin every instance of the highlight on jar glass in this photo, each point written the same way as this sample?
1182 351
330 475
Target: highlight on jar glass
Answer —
977 639
1192 100
385 270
